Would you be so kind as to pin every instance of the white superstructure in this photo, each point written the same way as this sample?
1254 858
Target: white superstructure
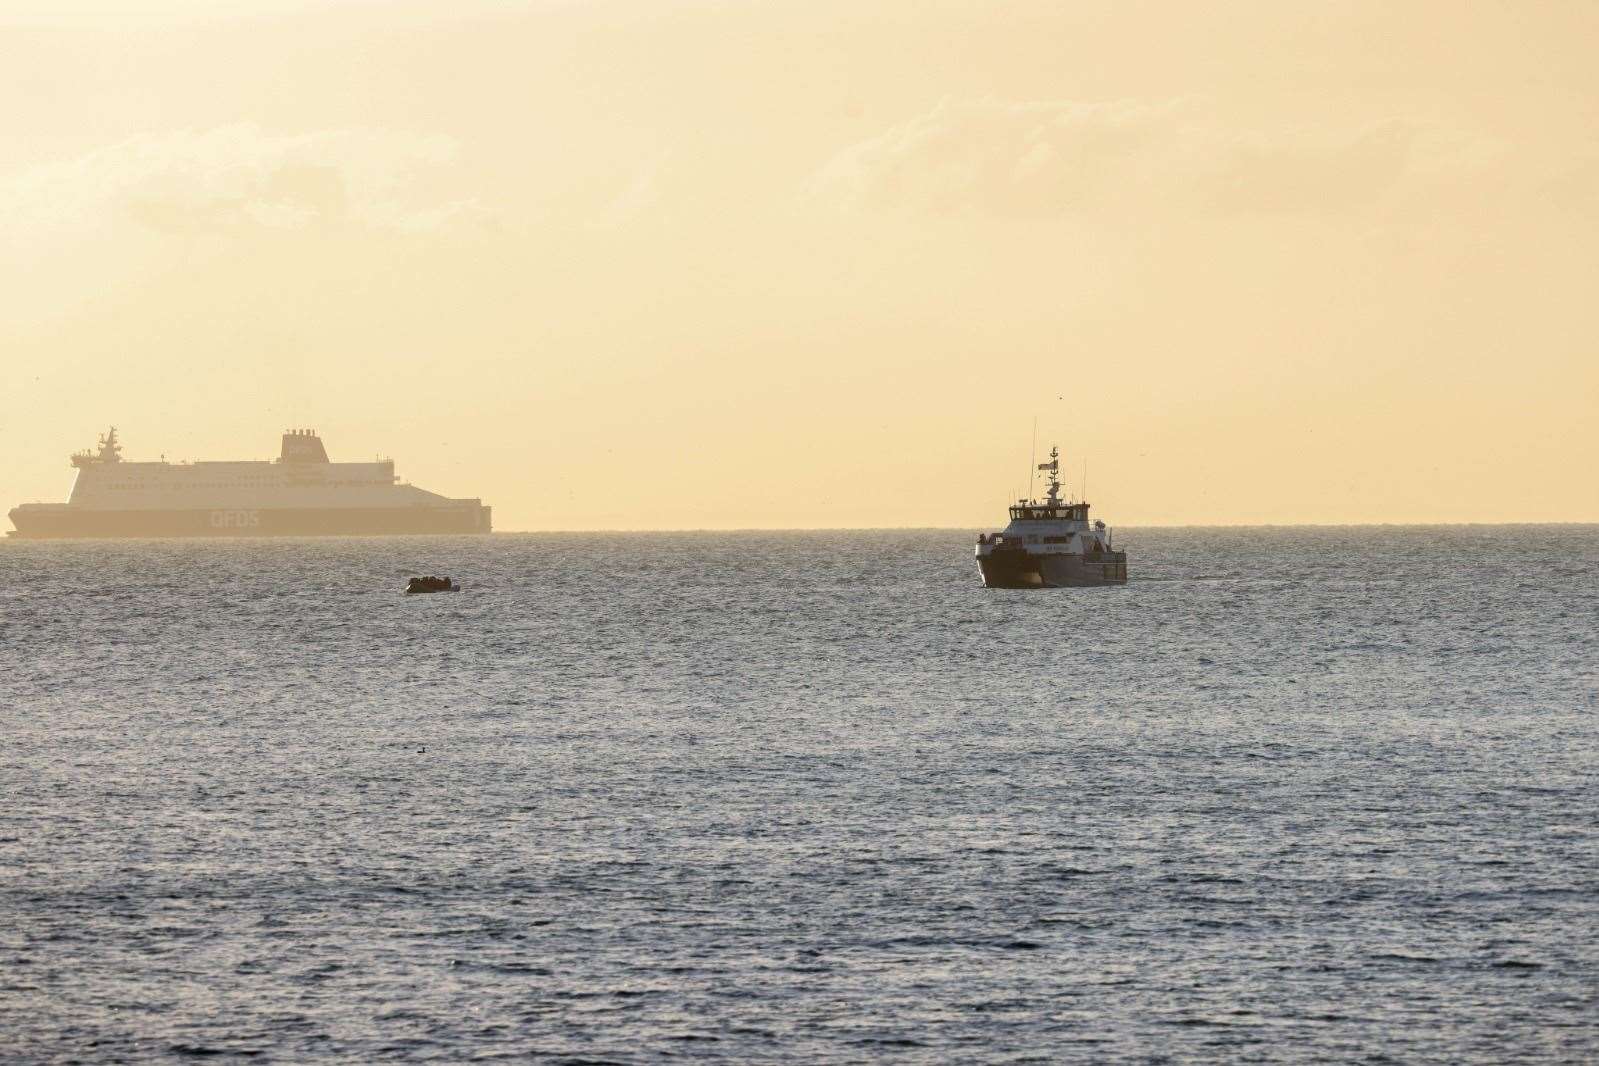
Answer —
302 476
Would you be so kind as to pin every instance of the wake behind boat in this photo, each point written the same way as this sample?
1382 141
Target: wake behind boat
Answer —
1050 544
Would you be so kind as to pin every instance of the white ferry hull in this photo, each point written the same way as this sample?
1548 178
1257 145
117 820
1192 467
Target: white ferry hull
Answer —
65 522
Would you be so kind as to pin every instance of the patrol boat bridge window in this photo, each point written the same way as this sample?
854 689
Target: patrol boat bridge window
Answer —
1077 512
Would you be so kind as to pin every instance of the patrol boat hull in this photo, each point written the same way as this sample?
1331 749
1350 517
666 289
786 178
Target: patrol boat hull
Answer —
1019 569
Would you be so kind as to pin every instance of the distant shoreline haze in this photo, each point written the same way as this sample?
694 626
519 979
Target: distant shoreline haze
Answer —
957 531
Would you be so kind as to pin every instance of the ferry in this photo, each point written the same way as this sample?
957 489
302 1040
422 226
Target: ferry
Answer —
300 493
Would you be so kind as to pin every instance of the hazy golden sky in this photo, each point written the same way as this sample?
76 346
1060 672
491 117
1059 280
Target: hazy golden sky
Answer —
713 264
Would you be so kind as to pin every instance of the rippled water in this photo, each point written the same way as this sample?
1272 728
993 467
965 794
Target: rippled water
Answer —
1290 795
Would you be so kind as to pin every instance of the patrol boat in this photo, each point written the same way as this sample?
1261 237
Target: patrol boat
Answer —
1050 544
299 493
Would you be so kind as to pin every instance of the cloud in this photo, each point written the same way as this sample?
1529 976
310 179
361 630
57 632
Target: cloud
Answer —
240 177
1303 174
1007 158
1047 158
641 192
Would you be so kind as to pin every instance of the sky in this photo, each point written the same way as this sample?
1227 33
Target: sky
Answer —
651 264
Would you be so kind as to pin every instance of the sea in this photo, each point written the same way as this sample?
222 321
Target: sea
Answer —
1291 795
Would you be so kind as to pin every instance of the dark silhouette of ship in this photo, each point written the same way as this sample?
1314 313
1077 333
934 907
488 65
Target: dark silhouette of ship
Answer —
300 493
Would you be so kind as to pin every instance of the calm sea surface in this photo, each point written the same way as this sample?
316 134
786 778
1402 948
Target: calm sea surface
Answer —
1291 795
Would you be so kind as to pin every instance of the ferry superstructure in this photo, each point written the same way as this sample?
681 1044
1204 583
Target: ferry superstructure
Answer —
1050 544
300 493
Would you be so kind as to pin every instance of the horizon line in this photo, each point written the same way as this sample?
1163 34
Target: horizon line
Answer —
947 529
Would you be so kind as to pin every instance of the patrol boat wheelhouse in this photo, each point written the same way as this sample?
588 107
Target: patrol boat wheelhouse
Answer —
299 493
1050 544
